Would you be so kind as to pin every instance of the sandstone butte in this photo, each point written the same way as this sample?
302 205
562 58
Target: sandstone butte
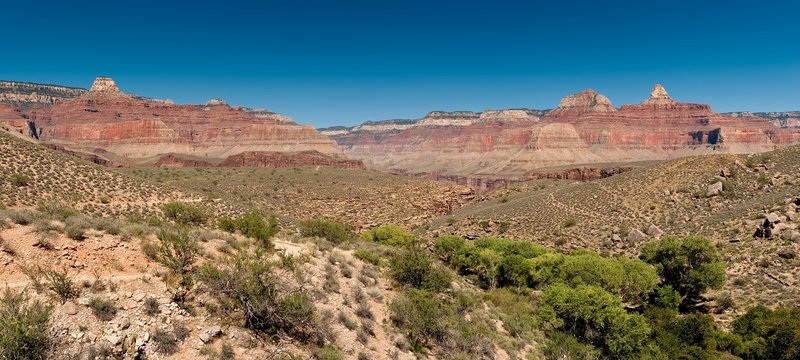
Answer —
583 133
127 129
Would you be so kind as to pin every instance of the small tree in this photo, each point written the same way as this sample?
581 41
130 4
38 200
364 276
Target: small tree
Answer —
690 265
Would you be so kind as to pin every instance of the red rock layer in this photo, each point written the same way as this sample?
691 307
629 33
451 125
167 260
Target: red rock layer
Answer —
584 129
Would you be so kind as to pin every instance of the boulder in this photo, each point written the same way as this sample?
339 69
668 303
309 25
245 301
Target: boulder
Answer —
654 231
714 189
69 308
636 235
210 333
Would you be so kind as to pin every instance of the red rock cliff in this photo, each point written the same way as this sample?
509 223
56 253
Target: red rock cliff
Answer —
584 129
140 129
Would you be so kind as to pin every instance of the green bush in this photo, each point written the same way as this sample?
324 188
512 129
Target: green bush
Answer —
367 256
595 317
413 267
252 225
389 235
449 247
185 213
690 265
768 334
692 336
333 231
23 327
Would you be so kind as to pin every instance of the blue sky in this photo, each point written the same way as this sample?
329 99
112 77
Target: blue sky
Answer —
344 62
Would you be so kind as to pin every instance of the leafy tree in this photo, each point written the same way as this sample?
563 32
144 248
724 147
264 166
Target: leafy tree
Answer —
690 265
413 267
768 334
597 317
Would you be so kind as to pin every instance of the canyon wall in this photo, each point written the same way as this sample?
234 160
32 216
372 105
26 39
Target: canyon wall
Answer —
584 129
142 130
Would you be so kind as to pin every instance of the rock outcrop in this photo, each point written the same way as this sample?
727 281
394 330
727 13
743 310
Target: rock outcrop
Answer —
144 130
23 94
584 129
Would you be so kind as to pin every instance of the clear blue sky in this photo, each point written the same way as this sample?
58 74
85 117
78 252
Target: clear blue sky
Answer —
345 62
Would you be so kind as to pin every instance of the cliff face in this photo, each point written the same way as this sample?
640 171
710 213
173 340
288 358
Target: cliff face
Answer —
142 130
23 94
584 129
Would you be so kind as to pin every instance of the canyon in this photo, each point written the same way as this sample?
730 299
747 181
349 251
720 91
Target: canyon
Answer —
585 136
110 126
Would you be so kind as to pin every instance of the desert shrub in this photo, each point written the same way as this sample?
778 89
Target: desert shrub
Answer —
252 225
103 309
56 210
389 235
75 227
175 250
367 256
569 222
690 265
151 306
23 327
413 267
328 352
22 217
109 226
61 284
768 334
333 231
165 341
19 180
245 284
595 316
421 314
184 213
